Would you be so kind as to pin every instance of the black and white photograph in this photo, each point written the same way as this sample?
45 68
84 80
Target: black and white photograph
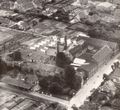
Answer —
59 54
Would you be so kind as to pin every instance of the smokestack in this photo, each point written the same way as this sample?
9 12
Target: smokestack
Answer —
58 44
65 40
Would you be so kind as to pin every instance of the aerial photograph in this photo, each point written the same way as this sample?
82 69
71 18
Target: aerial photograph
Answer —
59 54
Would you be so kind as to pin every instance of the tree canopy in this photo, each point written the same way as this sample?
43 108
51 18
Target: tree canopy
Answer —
70 75
62 60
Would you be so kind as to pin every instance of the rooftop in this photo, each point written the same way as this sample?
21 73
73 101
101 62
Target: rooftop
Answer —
17 83
102 54
98 42
89 66
78 27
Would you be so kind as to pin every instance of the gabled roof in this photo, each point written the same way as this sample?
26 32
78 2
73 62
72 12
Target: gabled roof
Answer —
99 42
102 54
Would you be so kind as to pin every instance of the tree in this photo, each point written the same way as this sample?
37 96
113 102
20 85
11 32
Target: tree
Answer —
106 77
16 56
89 106
70 76
117 94
44 83
77 83
102 30
62 59
3 67
53 105
97 32
85 76
61 15
60 107
59 79
55 88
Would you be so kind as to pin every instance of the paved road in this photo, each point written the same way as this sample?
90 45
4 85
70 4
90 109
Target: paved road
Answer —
33 95
19 31
80 97
93 82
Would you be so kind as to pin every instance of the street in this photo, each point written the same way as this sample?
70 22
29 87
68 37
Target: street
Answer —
33 95
93 83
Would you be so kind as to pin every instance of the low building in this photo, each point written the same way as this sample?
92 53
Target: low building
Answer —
16 83
103 56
